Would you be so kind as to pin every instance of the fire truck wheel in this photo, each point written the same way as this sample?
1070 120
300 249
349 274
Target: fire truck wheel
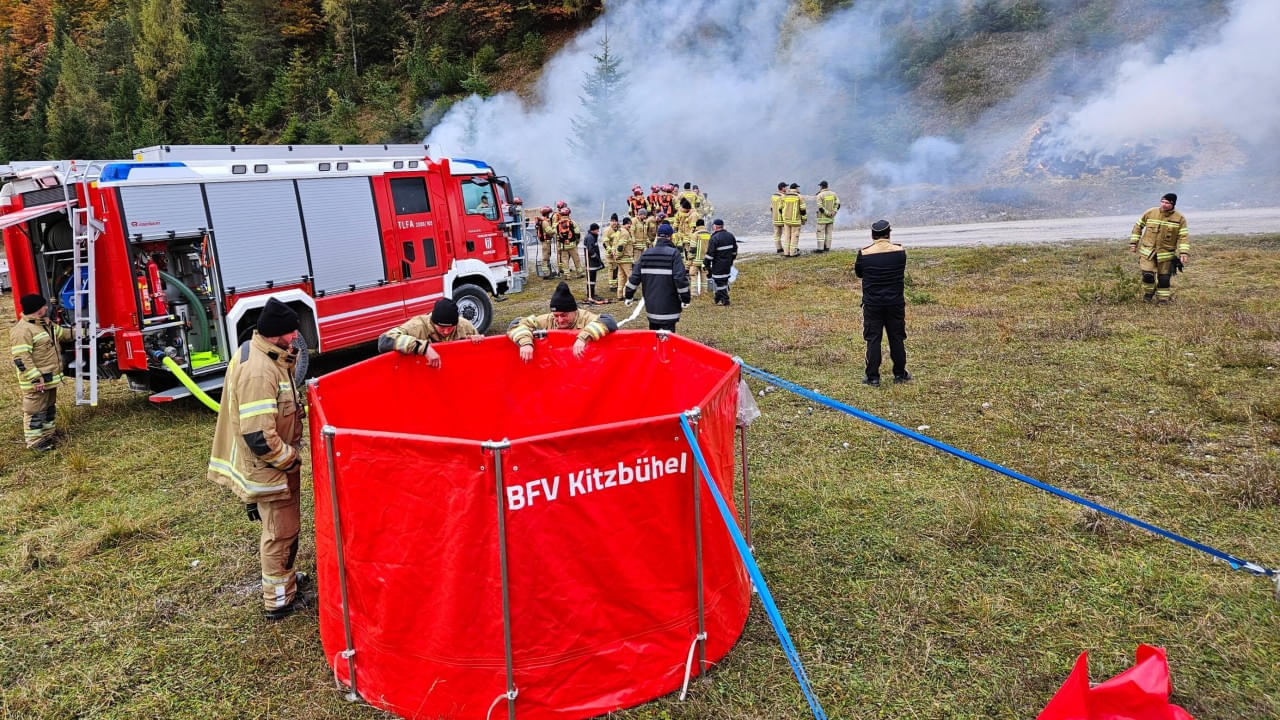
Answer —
474 305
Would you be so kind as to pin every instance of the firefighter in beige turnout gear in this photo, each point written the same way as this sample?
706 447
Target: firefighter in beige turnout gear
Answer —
828 206
419 334
623 241
33 342
1159 237
255 448
564 315
775 205
793 213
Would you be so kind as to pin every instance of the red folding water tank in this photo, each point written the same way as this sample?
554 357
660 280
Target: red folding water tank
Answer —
598 488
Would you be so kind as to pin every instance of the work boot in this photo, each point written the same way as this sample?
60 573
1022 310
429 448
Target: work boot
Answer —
47 445
872 381
778 251
1148 297
280 613
903 378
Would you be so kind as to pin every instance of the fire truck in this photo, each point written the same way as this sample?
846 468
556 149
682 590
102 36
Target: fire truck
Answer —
173 254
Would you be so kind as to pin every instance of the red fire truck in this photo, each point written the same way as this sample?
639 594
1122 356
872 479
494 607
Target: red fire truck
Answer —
174 253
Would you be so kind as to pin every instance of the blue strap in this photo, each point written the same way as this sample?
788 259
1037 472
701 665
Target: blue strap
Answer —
1235 562
766 598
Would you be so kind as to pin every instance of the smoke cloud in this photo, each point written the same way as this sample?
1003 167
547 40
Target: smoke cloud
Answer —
737 95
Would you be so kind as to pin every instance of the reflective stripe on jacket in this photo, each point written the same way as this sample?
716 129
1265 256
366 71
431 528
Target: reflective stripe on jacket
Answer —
828 206
259 423
665 279
414 336
792 209
591 325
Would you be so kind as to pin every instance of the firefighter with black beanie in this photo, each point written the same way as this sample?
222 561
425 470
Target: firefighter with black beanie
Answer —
722 250
882 267
33 342
564 315
594 262
256 446
417 336
1161 241
661 271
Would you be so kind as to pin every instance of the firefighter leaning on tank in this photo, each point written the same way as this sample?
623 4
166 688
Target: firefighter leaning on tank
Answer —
1161 242
417 336
255 449
33 341
564 315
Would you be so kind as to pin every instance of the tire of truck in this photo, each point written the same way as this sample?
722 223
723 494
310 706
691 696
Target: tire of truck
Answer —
474 305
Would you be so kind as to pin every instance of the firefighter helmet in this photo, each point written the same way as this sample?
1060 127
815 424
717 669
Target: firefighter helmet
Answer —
560 204
516 200
546 210
653 188
564 209
637 190
668 188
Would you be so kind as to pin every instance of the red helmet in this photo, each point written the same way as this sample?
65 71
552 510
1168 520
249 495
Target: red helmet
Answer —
516 200
637 190
653 188
560 204
564 209
668 188
546 210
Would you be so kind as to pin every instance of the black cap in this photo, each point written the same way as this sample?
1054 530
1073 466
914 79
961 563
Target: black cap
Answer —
823 184
613 217
718 222
32 303
627 220
700 223
795 186
445 312
1171 197
782 185
276 319
562 299
880 226
594 227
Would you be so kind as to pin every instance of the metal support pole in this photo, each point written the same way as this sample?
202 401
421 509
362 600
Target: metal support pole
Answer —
329 432
746 487
692 416
497 448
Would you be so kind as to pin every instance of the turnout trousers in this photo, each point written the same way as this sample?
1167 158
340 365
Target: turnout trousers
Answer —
39 409
824 236
791 241
278 546
878 320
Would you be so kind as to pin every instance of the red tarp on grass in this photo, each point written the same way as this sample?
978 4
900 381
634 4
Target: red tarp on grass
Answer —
599 520
1139 693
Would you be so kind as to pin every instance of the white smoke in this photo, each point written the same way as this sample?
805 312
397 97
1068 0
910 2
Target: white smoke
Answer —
1224 83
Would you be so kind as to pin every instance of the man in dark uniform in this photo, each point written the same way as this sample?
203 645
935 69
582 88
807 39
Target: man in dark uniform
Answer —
662 272
722 250
882 267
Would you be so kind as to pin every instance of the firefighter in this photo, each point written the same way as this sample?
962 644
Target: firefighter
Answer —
637 201
697 249
667 199
623 242
255 449
694 198
419 334
545 229
665 281
793 213
1159 238
775 204
882 267
828 206
567 236
683 223
644 233
653 199
722 250
706 209
595 263
564 315
607 251
34 342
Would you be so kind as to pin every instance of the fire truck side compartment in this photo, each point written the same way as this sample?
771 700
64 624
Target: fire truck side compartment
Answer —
342 233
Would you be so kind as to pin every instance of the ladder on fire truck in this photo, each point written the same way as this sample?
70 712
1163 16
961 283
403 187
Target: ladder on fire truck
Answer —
85 229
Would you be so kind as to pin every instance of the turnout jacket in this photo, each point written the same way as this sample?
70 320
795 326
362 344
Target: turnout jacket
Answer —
413 337
721 252
791 209
828 206
775 205
591 326
255 443
34 345
665 279
882 267
1160 235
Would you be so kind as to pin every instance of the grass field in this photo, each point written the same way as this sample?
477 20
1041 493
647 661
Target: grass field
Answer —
915 585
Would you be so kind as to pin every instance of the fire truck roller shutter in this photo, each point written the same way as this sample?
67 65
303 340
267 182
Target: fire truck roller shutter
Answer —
257 232
342 232
160 209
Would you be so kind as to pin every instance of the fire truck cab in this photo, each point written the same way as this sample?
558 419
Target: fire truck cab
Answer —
174 253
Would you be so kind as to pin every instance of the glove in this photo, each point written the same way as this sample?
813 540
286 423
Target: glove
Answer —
251 509
297 463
